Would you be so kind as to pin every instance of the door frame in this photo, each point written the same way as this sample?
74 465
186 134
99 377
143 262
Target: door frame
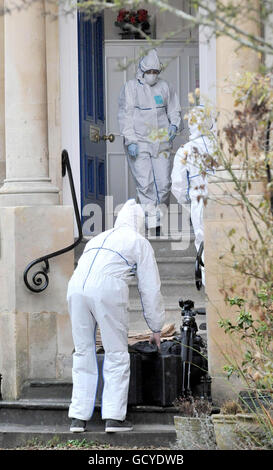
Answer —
69 92
69 102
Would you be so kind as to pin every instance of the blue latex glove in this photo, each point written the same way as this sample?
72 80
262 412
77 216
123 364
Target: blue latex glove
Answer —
133 150
172 132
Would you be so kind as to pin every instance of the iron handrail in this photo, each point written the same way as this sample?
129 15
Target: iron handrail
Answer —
40 278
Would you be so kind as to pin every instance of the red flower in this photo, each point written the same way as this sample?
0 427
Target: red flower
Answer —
142 15
121 15
134 17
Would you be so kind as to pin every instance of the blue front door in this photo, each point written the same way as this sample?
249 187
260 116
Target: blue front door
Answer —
92 123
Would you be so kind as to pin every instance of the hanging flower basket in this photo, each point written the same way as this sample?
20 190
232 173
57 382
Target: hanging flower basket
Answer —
138 19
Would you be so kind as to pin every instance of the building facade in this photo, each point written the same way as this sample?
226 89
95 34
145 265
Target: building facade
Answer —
59 90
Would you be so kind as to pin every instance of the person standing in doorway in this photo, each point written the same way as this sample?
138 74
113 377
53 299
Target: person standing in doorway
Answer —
149 118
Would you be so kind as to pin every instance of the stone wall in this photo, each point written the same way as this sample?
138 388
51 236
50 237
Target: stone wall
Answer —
35 331
2 100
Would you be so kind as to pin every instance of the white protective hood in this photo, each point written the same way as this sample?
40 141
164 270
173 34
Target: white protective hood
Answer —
131 215
199 122
149 62
188 172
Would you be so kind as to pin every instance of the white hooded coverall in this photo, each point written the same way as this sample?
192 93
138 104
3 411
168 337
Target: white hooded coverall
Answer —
98 294
189 178
145 114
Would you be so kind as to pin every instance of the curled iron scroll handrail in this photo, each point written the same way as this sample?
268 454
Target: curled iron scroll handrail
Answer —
40 279
198 264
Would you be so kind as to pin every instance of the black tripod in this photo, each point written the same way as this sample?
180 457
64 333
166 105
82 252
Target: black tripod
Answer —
188 333
198 264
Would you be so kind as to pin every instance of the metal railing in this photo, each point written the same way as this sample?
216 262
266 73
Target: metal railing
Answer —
40 279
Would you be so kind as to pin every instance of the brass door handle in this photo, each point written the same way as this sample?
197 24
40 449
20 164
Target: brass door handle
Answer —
94 134
109 137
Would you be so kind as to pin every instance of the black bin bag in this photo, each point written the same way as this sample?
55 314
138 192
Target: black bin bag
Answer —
161 378
162 371
156 377
135 393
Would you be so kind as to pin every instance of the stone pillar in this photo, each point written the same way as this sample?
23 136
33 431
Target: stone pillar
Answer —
26 127
230 61
2 99
35 332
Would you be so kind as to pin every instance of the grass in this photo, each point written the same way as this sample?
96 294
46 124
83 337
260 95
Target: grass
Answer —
76 444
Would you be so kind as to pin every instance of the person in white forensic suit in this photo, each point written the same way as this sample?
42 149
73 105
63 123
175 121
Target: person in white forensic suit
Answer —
189 173
149 118
98 294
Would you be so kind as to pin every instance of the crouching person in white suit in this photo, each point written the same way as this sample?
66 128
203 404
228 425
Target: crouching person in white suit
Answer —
192 162
98 294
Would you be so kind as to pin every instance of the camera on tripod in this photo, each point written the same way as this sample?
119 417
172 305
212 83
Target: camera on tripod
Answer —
193 362
186 306
188 314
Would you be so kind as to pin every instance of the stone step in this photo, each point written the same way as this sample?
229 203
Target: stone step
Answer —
172 290
54 412
143 436
171 247
135 307
138 324
178 245
171 267
42 420
59 391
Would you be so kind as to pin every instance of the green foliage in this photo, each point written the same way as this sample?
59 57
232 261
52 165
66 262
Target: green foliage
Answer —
230 408
193 407
256 366
71 444
77 444
245 144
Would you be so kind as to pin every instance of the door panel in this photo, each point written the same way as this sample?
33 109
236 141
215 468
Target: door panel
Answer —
92 122
117 74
